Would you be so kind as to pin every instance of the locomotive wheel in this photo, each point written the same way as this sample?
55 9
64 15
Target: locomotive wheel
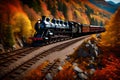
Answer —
58 39
47 42
51 41
61 39
55 40
71 37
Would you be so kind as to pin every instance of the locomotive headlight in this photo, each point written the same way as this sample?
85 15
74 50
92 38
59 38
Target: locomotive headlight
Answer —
38 21
46 38
51 33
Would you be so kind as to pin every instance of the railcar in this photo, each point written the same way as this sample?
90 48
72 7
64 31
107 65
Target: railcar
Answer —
96 29
85 28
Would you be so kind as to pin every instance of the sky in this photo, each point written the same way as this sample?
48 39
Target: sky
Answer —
115 1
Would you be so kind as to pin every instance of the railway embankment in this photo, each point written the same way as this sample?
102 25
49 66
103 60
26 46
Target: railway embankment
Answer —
81 64
16 65
91 61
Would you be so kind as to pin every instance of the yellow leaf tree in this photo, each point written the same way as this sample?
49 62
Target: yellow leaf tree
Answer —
112 35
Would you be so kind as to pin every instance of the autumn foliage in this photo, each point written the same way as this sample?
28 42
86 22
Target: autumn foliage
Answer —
22 15
111 37
111 68
36 74
67 73
12 15
110 46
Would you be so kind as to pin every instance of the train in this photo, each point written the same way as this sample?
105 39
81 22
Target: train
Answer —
52 30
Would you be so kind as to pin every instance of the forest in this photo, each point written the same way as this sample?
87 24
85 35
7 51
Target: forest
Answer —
18 17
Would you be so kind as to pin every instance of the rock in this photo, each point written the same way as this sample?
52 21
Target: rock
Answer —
79 72
49 76
93 45
82 76
92 52
92 71
96 53
75 64
60 68
96 48
67 58
82 53
93 58
91 64
87 45
76 68
98 36
19 41
62 62
89 42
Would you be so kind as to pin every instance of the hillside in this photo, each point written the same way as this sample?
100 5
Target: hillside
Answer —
108 6
113 4
19 16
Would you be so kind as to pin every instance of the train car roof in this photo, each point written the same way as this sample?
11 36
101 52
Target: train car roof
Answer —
95 26
85 25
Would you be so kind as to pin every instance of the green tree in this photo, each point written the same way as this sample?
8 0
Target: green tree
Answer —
96 22
9 39
51 7
60 5
35 4
6 31
65 10
89 11
92 21
101 23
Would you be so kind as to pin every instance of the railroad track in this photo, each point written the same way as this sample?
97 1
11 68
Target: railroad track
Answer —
7 54
51 68
7 59
15 71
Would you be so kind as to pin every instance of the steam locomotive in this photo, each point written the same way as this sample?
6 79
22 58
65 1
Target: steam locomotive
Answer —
52 30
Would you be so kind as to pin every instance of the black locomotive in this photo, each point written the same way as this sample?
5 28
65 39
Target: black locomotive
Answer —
52 30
